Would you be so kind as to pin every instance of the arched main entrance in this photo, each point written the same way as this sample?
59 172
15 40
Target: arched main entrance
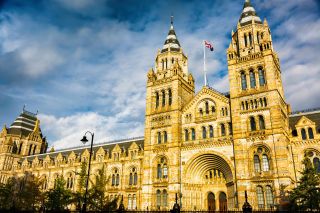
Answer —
223 204
211 202
208 183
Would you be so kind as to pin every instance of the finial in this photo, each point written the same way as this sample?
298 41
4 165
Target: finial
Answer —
24 106
171 19
248 1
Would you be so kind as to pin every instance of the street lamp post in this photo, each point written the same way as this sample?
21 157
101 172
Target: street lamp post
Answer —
84 140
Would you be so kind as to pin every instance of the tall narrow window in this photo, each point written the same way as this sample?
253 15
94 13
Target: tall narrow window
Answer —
262 125
258 39
165 137
310 133
204 132
265 101
166 63
134 201
162 64
243 81
252 79
130 179
303 134
30 148
165 171
165 198
158 199
265 163
186 135
213 109
20 148
223 129
135 178
159 137
207 107
256 160
269 197
253 124
245 40
34 149
193 134
211 131
316 164
113 180
230 128
157 99
159 171
163 98
117 180
129 202
170 97
262 80
260 197
250 39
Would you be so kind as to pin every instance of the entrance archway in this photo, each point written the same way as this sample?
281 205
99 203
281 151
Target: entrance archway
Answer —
208 183
211 202
223 204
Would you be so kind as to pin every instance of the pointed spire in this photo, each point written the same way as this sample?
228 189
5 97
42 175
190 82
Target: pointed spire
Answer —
248 14
171 43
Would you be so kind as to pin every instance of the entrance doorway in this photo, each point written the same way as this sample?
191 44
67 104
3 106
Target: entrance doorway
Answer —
211 202
223 205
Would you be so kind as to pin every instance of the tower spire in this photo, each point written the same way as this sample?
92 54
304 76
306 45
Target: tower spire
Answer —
248 14
171 43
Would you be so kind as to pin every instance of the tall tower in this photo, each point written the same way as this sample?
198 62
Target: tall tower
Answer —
169 87
259 112
22 138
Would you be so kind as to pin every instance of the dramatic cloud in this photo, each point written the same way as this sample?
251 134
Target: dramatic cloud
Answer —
83 63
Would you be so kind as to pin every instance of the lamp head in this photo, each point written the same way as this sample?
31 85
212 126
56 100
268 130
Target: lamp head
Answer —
84 140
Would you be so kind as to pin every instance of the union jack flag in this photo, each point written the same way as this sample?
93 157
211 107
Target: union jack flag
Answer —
207 44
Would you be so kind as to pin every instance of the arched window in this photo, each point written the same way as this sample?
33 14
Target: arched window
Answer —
129 202
247 105
310 133
186 135
256 160
159 171
265 163
211 131
269 197
303 134
230 128
165 170
253 124
200 111
204 132
252 79
165 137
262 125
163 98
158 199
159 137
164 198
250 39
316 164
223 130
193 134
15 148
170 97
262 80
162 64
207 107
294 133
243 81
260 197
34 149
157 99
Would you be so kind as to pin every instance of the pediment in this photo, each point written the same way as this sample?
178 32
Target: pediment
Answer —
116 148
100 151
208 94
304 121
133 146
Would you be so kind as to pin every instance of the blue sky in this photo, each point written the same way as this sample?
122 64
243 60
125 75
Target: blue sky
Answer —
83 63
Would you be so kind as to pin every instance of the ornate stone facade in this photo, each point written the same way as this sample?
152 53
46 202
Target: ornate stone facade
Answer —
209 147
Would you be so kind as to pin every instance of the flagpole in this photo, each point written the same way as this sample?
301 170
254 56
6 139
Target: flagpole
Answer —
204 63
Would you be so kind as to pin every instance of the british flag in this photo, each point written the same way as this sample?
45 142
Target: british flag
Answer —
208 45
